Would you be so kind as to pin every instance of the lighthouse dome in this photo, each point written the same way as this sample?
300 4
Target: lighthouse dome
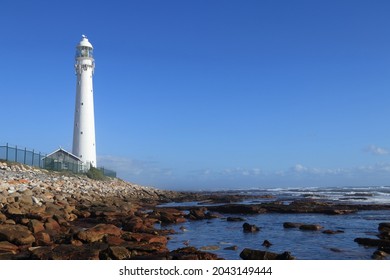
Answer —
84 42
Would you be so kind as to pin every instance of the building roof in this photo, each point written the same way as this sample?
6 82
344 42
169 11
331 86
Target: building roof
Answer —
65 152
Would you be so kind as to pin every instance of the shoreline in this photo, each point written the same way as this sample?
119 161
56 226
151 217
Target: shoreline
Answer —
52 215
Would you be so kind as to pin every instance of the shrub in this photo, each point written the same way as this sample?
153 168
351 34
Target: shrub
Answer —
95 174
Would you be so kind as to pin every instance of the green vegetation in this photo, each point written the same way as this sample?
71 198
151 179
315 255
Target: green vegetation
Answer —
96 174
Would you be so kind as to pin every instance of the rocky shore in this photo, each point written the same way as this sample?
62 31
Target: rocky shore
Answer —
51 215
48 215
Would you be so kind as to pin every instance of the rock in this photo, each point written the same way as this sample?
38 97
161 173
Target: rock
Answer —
210 248
97 232
25 199
171 216
17 234
250 228
249 254
36 226
145 237
52 225
266 243
310 227
292 225
135 224
239 209
118 253
191 253
3 218
233 248
379 255
69 252
42 238
13 211
372 242
6 246
384 227
198 214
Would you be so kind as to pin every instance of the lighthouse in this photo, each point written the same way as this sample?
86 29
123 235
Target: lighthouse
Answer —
84 145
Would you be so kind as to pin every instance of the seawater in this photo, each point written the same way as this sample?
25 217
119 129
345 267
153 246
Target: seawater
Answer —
305 245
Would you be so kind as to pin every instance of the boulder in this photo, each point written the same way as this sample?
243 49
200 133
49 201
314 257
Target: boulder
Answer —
210 248
97 232
373 242
266 243
310 227
36 226
3 218
169 216
232 248
69 252
145 237
198 213
384 227
250 228
250 254
6 246
292 225
17 234
42 238
118 253
52 225
191 253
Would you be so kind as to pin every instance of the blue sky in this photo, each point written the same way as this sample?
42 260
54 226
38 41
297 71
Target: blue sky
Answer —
208 94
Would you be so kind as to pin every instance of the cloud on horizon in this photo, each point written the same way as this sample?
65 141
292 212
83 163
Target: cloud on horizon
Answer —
372 149
151 173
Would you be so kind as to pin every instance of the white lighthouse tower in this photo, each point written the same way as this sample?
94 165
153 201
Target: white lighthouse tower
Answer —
84 145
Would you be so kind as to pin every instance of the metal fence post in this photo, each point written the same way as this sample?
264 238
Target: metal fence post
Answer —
25 154
6 152
16 153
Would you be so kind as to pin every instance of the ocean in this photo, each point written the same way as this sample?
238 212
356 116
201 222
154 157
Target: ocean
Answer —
219 234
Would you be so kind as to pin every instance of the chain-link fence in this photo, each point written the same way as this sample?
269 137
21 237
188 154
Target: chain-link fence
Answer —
37 159
24 156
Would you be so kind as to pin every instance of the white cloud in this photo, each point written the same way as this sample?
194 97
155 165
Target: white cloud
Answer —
376 150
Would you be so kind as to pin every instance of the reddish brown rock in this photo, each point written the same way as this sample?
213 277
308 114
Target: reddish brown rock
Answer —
52 225
145 237
3 218
198 213
6 246
42 238
98 232
118 253
17 234
113 240
191 253
69 252
36 226
135 224
170 216
249 254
